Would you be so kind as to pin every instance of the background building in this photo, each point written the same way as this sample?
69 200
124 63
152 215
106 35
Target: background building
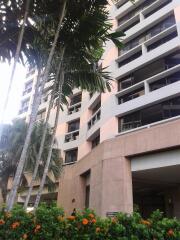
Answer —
122 148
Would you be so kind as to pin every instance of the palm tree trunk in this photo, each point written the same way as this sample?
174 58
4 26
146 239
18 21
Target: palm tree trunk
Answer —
38 159
21 164
20 38
38 197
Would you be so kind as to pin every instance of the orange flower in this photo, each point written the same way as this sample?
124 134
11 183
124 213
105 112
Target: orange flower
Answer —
98 229
2 222
71 218
93 220
15 225
25 236
85 221
170 232
91 215
145 222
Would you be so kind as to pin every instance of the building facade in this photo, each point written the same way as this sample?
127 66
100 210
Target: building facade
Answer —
121 149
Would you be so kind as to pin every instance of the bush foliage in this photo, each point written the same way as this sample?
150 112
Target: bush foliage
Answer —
49 223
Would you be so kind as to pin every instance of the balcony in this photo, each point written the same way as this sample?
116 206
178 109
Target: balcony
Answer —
74 108
153 114
132 95
71 136
95 118
175 77
130 125
145 9
156 30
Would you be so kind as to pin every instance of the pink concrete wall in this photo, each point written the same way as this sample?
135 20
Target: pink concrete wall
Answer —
177 13
111 180
109 129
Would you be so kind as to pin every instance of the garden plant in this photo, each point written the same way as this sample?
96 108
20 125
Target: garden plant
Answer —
49 222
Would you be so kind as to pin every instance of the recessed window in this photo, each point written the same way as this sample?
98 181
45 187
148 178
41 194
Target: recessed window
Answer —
71 156
96 107
149 70
96 141
76 99
165 81
131 95
162 41
74 125
153 31
155 113
130 59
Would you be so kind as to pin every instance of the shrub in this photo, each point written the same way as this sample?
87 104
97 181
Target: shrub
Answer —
49 223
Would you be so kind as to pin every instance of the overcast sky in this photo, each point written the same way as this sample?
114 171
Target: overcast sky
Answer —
16 92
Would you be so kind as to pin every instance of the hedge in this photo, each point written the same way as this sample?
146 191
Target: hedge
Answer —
49 223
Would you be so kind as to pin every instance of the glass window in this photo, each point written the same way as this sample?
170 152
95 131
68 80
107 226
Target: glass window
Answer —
73 126
76 99
71 156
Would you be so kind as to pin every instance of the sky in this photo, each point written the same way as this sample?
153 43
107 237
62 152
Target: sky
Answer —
16 90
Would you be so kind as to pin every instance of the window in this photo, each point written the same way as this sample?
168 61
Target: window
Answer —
87 196
41 115
163 4
165 81
149 70
132 95
96 141
71 156
135 11
130 59
122 3
158 28
73 126
155 113
24 106
162 41
96 107
76 99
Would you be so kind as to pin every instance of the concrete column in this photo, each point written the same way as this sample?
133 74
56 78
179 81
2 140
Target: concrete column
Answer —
146 87
116 186
144 49
141 17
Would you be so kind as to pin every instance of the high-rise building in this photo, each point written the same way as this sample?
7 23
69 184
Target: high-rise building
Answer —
122 148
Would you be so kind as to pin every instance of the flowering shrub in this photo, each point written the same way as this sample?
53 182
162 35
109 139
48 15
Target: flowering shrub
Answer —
49 223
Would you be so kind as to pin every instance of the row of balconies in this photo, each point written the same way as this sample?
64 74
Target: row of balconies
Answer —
147 46
141 10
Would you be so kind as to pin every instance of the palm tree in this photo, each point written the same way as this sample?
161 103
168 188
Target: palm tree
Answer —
41 35
16 57
82 74
21 164
9 156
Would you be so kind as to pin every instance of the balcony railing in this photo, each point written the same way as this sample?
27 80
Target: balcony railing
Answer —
144 7
74 108
130 96
135 11
95 118
72 136
154 31
130 125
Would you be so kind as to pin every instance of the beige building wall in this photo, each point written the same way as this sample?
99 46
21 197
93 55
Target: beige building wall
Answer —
110 170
